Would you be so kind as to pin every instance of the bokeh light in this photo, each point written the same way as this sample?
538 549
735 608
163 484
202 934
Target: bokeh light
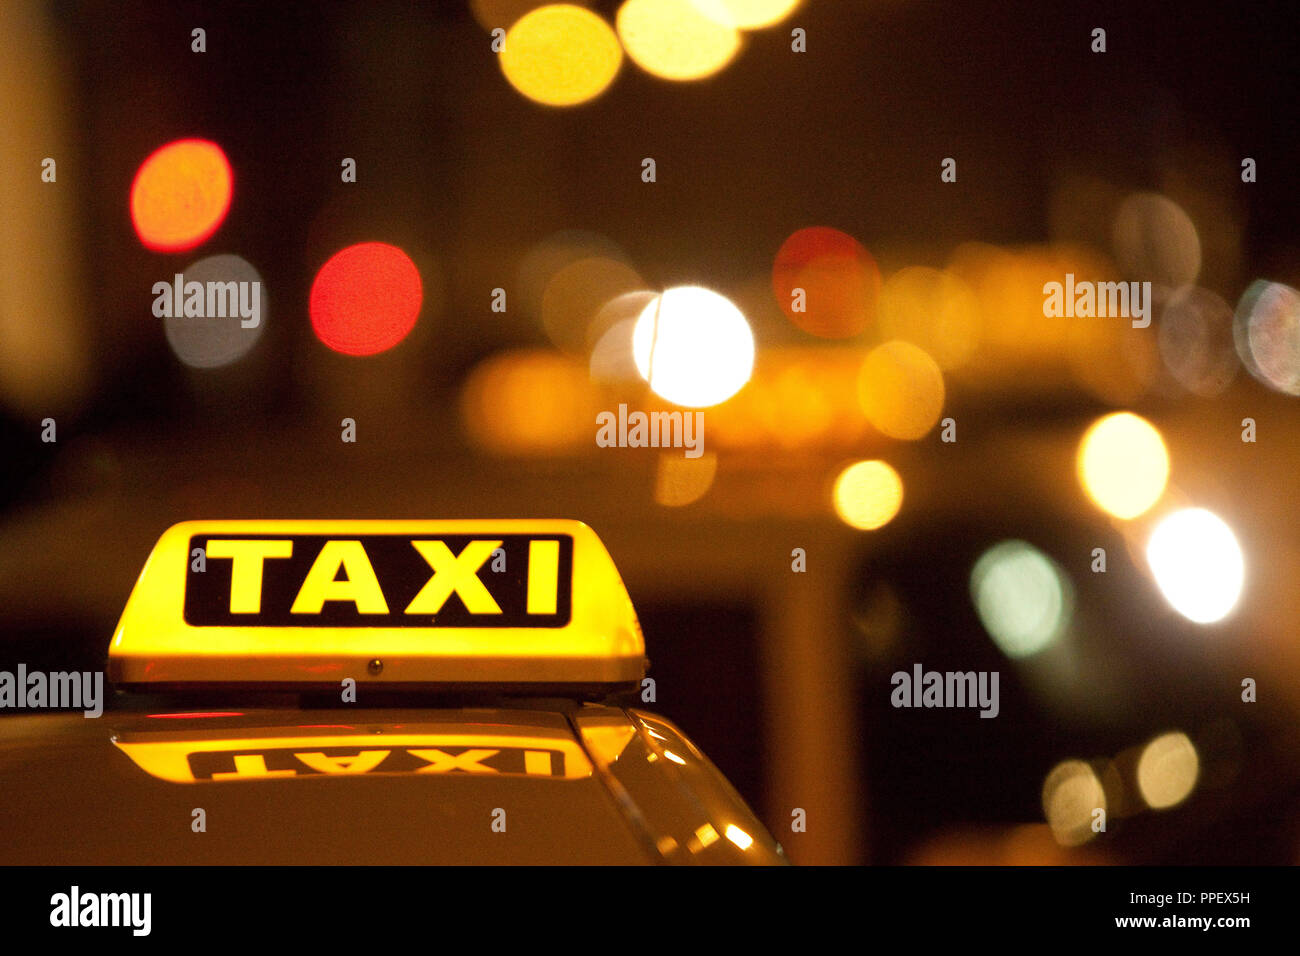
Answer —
933 309
1167 770
681 481
693 347
611 357
1156 241
793 406
673 40
561 55
1023 845
576 294
867 495
212 340
549 255
900 389
529 403
746 14
1123 464
1266 330
1072 793
494 14
839 279
1196 342
799 397
181 194
1197 564
1024 600
622 311
365 298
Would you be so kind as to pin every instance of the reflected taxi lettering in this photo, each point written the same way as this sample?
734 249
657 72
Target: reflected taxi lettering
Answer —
269 754
511 761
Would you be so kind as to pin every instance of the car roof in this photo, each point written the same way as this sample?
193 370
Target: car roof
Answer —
529 783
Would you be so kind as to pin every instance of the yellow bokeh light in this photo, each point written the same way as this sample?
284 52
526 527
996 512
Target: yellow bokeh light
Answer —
493 14
1197 564
868 494
1167 770
1155 238
575 295
934 310
673 40
561 55
682 481
1072 795
546 258
900 389
1123 464
529 403
693 347
746 14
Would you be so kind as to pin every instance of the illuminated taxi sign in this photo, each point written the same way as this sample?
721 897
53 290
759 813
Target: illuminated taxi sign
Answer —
379 580
381 602
412 749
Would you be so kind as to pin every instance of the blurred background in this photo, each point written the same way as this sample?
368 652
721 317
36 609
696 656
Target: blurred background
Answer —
827 225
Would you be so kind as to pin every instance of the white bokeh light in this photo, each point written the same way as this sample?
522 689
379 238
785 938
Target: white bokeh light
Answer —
222 338
693 346
1198 564
1022 597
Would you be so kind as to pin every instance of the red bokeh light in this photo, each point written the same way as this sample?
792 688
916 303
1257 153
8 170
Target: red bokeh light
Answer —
365 299
839 279
181 194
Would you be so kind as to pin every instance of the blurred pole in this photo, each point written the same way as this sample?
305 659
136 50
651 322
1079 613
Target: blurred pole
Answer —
45 361
812 727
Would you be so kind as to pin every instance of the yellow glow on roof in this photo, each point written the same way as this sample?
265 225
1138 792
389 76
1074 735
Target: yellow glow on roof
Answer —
739 837
706 835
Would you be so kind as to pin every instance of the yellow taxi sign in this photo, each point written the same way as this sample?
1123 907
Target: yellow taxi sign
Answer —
397 603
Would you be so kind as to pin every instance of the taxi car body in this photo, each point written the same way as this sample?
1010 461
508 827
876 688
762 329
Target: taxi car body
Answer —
427 692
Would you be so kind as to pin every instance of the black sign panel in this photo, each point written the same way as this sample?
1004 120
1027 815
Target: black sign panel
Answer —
371 580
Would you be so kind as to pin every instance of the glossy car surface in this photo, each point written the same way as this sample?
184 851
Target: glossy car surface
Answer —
538 782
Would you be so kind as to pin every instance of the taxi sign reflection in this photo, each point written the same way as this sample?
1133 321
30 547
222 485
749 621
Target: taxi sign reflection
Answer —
278 752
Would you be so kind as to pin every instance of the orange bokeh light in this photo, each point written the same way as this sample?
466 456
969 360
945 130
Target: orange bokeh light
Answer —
365 299
181 194
839 279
